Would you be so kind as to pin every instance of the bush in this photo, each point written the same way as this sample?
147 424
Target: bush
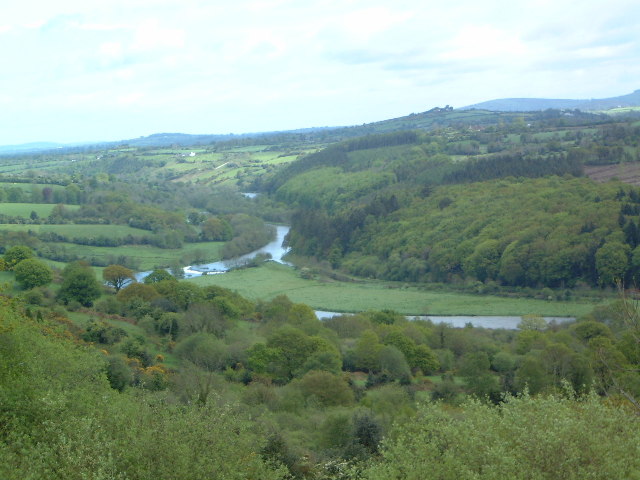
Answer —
31 273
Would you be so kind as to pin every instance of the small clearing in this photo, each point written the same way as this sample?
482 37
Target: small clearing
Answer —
625 172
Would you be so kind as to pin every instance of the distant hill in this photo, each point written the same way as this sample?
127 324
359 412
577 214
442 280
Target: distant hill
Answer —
534 104
29 147
485 113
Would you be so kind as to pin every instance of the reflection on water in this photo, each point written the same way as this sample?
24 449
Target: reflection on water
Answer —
459 321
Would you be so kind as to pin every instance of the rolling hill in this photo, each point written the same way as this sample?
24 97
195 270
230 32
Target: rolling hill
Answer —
534 104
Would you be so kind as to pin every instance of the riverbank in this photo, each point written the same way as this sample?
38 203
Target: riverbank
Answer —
272 279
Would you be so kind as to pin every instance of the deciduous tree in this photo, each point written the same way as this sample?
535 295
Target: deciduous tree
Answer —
117 276
32 272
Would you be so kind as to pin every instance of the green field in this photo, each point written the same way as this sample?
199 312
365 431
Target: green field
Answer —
274 279
25 209
85 231
149 257
27 187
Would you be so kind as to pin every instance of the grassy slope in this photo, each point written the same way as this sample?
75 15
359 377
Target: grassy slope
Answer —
25 209
273 279
80 230
150 257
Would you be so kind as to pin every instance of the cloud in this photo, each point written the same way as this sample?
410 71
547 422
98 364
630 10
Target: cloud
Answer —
130 98
213 66
150 35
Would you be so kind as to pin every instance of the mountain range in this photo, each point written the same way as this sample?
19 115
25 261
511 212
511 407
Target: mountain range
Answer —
478 113
534 104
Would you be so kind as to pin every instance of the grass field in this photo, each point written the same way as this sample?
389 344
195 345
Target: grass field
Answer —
149 257
86 231
274 279
25 209
27 187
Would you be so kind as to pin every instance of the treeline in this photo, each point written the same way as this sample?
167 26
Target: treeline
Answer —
426 234
69 194
515 165
552 232
335 156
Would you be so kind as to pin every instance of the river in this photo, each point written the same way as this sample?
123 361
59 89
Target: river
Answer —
277 252
274 248
460 321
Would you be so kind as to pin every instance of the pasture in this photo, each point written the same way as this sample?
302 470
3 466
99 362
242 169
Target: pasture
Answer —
28 187
79 231
148 257
24 209
272 279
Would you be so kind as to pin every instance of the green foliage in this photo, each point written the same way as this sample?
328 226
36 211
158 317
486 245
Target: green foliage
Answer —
526 437
216 229
118 373
325 388
117 276
136 290
79 284
612 262
31 273
102 332
15 255
205 351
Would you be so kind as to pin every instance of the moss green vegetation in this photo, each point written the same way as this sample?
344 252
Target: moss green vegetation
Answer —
190 379
61 419
273 279
197 382
83 231
147 257
24 209
434 207
6 277
555 438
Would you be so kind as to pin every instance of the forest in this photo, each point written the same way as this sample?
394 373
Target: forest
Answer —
106 373
413 210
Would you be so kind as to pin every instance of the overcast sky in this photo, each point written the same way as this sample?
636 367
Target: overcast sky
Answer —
81 70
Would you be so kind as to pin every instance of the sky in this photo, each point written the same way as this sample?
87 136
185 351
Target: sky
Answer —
82 70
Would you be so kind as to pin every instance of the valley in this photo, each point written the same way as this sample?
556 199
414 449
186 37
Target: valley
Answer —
524 215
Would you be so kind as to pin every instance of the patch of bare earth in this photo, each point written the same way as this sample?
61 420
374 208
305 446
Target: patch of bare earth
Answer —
625 172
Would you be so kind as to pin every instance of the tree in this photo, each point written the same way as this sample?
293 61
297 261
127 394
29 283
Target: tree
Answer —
366 351
79 284
425 360
483 262
522 438
16 254
137 290
296 347
327 388
532 322
32 272
612 261
158 275
217 230
117 276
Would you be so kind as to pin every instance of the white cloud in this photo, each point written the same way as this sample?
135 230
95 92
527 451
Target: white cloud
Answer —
262 65
111 49
130 98
363 24
151 35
